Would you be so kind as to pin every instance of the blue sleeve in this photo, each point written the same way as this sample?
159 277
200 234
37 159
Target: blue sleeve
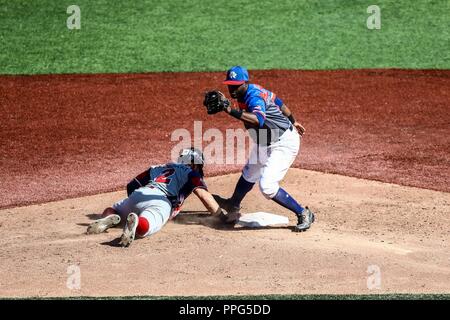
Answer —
257 106
279 102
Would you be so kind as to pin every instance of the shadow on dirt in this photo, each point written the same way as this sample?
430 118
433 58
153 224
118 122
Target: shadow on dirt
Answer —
112 243
205 219
90 216
192 218
94 216
83 224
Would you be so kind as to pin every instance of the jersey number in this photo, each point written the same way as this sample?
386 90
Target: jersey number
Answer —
164 176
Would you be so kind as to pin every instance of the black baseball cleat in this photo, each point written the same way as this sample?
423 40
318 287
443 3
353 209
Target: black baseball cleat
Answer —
226 204
304 220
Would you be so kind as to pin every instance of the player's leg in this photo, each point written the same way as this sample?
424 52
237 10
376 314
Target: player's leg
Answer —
108 212
251 172
146 223
152 213
153 219
110 218
281 157
250 175
123 207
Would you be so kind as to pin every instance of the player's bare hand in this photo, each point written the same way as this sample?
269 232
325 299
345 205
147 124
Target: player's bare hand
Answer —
301 129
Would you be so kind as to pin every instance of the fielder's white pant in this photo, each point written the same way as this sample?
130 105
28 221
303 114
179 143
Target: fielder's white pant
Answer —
150 203
269 164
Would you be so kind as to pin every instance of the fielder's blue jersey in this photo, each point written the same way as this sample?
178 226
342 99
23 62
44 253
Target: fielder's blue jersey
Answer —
267 108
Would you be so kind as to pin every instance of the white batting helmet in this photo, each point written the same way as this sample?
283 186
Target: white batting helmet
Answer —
191 156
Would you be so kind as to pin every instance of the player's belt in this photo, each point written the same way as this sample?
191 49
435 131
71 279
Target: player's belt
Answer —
291 127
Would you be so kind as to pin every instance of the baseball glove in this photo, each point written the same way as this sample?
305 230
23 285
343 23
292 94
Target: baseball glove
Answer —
215 101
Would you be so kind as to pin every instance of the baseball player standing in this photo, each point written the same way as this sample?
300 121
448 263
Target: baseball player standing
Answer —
277 137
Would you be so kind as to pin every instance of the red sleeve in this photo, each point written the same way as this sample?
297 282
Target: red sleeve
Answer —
196 181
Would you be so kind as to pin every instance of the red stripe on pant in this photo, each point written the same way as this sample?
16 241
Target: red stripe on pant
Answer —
143 227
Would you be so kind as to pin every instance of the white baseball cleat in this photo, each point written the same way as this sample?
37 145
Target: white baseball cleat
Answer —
103 224
130 230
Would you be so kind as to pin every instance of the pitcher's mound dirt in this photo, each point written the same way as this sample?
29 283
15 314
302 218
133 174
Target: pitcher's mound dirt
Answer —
362 227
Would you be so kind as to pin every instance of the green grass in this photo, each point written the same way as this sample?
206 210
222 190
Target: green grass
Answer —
271 297
199 35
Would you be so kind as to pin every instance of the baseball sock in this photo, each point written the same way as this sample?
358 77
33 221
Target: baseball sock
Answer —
242 188
143 227
284 199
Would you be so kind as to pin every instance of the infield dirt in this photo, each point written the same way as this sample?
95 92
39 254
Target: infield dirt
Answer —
362 226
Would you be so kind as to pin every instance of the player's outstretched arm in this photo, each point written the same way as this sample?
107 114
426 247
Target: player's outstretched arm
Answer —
208 201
